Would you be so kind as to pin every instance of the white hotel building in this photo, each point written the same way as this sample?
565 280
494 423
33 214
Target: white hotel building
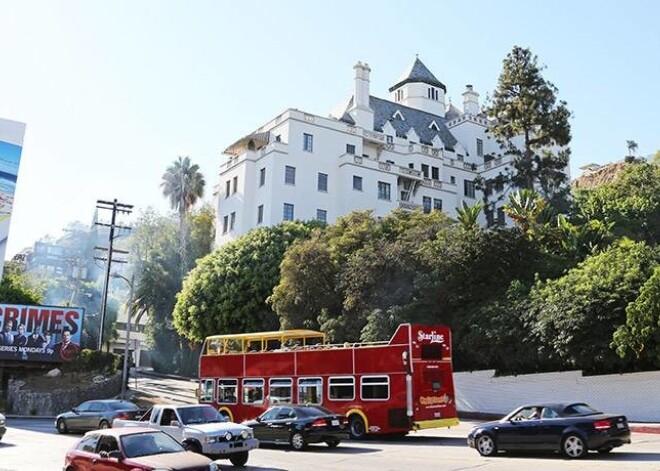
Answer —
409 151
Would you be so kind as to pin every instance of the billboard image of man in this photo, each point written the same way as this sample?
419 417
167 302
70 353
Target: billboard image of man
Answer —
66 350
7 337
36 340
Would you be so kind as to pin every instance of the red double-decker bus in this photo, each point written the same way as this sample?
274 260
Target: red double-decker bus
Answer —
383 387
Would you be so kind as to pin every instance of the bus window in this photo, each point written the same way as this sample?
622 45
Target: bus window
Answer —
206 390
253 391
227 391
273 344
375 387
310 390
233 346
253 346
280 391
215 347
341 388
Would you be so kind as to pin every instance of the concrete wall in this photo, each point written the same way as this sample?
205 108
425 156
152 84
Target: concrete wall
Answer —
21 402
633 394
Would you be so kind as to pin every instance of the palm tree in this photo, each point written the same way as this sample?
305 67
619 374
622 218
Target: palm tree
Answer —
632 148
183 184
468 216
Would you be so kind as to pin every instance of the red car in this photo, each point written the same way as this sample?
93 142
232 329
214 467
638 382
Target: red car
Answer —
133 449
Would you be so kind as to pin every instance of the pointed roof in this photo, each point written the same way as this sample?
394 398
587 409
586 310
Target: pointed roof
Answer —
418 72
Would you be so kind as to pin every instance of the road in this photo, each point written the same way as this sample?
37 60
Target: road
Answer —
33 445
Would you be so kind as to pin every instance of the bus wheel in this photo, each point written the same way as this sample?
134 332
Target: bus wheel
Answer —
356 427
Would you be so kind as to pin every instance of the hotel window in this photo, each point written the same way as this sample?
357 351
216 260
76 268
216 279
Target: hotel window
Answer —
225 224
288 212
322 184
383 191
260 214
390 139
452 180
357 183
425 170
426 203
290 175
262 176
227 188
308 142
469 188
437 204
232 221
480 147
435 173
489 217
235 182
350 149
432 93
321 215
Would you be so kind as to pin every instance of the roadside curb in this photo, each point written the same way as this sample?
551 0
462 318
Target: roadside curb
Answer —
33 417
645 429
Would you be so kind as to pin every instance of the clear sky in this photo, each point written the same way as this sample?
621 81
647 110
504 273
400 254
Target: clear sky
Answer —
113 91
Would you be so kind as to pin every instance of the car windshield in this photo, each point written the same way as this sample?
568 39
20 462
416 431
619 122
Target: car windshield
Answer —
149 443
580 409
200 415
314 411
122 405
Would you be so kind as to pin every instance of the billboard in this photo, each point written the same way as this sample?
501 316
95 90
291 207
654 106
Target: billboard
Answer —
11 145
40 333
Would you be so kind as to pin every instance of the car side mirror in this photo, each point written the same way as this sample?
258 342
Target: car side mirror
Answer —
175 423
74 410
116 454
259 419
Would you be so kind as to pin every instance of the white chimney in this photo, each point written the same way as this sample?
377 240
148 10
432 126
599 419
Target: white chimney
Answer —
470 101
361 112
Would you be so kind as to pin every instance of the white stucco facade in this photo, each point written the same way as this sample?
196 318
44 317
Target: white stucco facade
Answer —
409 151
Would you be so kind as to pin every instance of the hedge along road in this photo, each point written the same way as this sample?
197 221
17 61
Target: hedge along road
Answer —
34 445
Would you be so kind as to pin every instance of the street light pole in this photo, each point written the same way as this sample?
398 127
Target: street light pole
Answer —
124 375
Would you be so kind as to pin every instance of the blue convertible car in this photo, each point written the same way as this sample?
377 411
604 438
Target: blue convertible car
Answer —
569 428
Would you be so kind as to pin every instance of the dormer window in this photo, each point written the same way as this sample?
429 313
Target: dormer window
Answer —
399 95
434 126
397 115
432 93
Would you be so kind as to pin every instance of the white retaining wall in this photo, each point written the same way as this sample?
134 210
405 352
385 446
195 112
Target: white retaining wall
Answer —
637 395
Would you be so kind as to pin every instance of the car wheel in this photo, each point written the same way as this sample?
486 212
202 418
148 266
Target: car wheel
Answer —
605 451
61 426
333 442
298 441
573 446
104 425
239 459
356 427
486 445
193 446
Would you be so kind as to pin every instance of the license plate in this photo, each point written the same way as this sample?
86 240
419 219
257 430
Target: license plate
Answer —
335 422
619 425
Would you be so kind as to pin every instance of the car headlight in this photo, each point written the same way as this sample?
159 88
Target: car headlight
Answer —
2 422
228 436
211 439
245 434
213 467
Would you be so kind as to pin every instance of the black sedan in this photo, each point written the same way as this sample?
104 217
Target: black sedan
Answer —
299 426
569 428
92 415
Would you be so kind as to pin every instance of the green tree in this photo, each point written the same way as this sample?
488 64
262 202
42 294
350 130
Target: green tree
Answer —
468 216
641 333
227 291
17 288
525 107
577 314
183 184
630 203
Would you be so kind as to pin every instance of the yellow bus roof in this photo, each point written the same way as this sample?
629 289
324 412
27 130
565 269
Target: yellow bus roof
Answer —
274 335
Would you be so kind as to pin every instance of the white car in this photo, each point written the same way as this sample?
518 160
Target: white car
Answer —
3 428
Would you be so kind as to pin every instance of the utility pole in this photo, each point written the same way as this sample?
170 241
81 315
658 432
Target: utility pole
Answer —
116 208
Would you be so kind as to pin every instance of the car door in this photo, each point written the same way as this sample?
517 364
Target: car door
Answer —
551 429
280 428
520 432
85 453
262 429
79 416
96 411
175 430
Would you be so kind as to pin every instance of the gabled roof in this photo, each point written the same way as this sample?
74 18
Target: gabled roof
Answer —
416 119
418 72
